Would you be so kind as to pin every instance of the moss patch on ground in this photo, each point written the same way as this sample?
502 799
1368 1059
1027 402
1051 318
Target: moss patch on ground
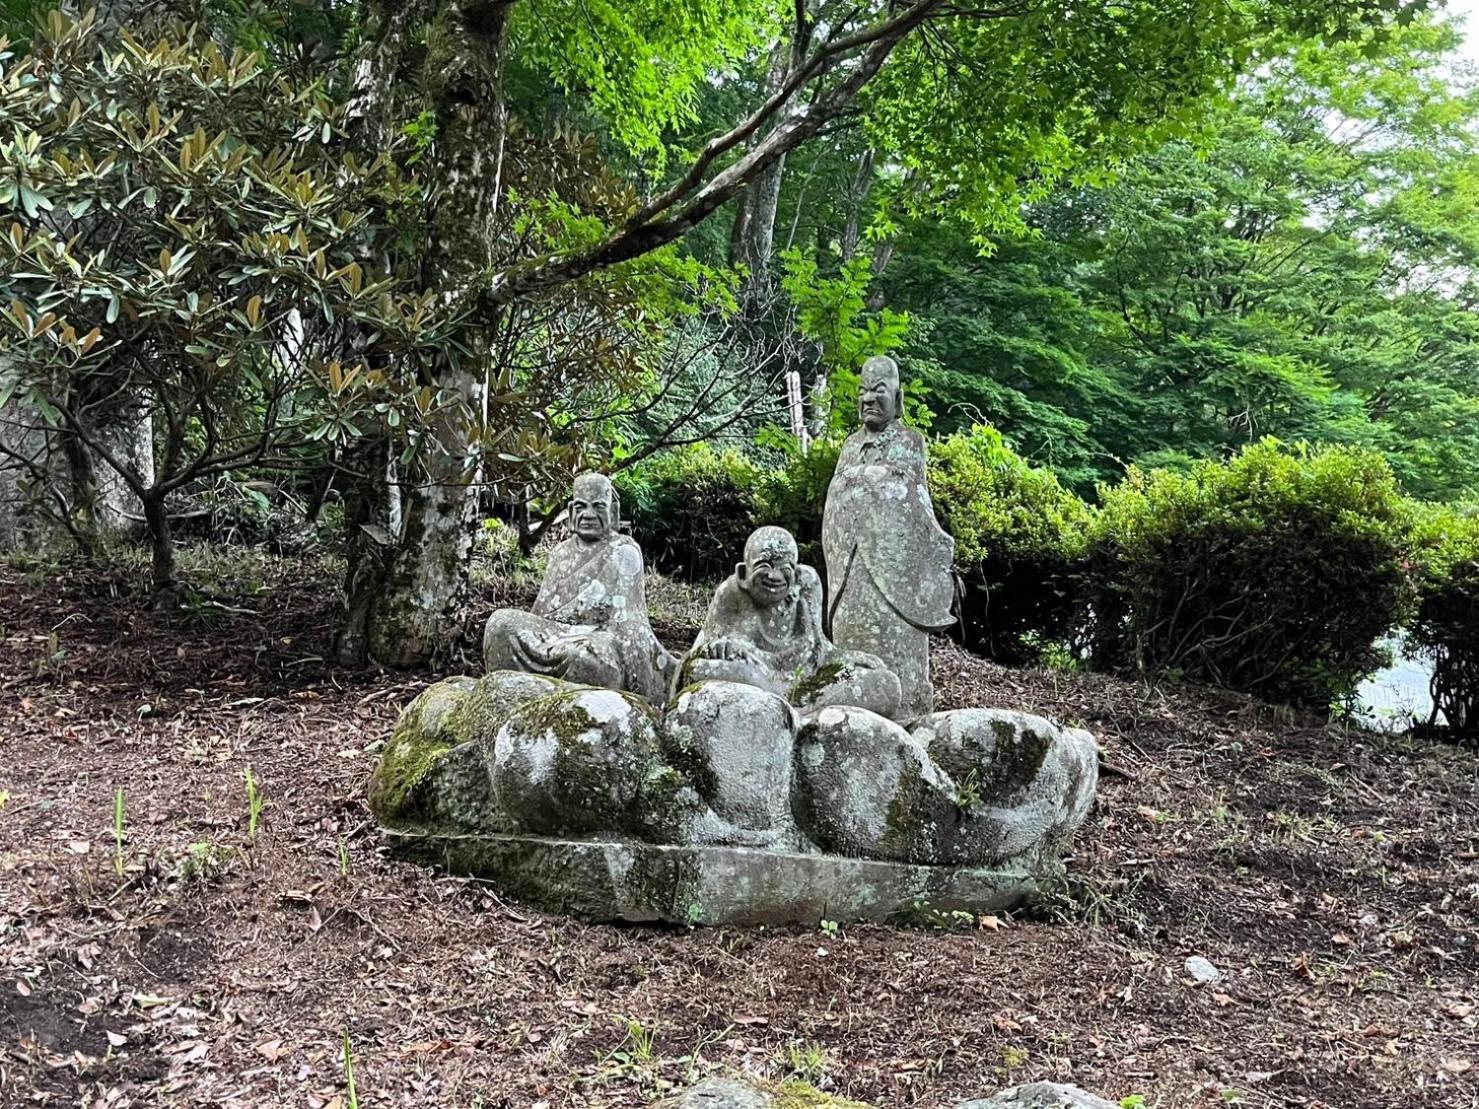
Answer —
803 1095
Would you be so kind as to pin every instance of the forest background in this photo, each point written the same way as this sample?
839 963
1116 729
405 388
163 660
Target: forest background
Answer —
1185 299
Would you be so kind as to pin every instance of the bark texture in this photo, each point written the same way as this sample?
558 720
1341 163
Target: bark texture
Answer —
408 606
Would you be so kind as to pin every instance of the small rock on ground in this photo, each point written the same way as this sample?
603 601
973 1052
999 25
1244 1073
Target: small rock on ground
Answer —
1041 1095
721 1093
1202 970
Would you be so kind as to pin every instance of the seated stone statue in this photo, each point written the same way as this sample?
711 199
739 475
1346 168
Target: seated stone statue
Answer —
764 628
589 623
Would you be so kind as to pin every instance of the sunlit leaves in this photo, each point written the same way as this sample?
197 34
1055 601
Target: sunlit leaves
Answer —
640 62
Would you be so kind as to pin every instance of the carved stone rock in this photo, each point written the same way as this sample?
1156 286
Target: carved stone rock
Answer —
589 623
1023 783
576 762
430 772
735 743
1041 1095
764 628
867 788
889 579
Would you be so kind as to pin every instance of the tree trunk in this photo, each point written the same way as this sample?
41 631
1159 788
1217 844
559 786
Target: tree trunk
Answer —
857 195
115 507
752 239
54 488
418 607
410 607
32 496
166 577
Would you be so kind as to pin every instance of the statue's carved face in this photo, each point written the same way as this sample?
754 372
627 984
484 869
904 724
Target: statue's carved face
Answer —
769 569
878 395
593 509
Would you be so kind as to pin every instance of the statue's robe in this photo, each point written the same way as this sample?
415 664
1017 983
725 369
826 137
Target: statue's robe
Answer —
787 652
588 625
889 562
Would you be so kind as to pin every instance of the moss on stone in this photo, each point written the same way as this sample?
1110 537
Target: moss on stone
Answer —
900 818
665 805
597 770
681 750
497 697
809 687
423 734
1019 759
685 687
666 881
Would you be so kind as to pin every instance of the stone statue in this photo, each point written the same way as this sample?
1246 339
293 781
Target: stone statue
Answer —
764 628
790 778
589 623
888 561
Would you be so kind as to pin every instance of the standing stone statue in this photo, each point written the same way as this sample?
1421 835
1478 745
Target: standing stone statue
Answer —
589 623
764 628
888 560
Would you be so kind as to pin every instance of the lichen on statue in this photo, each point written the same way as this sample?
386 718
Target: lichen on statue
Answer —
764 628
589 622
889 562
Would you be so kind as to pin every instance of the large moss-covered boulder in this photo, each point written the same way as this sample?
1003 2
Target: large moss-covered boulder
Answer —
1023 783
431 773
735 744
577 762
865 787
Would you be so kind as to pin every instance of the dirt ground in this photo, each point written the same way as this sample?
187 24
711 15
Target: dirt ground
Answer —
1331 876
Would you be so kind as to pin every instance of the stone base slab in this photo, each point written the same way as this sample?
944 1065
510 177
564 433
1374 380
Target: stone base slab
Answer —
611 880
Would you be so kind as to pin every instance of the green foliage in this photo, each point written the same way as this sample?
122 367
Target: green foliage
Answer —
1276 572
792 494
1019 537
833 313
351 1094
691 508
254 805
118 832
1446 625
1302 266
185 234
1064 92
1006 341
204 860
639 66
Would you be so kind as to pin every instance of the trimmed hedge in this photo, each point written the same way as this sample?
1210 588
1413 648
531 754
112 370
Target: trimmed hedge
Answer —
1446 624
1276 572
691 509
1019 541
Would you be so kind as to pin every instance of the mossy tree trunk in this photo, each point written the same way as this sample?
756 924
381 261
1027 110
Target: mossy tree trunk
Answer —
409 605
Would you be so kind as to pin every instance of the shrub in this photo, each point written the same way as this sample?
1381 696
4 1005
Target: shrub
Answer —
691 508
793 494
1019 538
1275 572
1445 626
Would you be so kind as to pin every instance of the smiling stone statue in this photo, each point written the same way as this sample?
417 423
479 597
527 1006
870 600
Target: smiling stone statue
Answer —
764 628
589 623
